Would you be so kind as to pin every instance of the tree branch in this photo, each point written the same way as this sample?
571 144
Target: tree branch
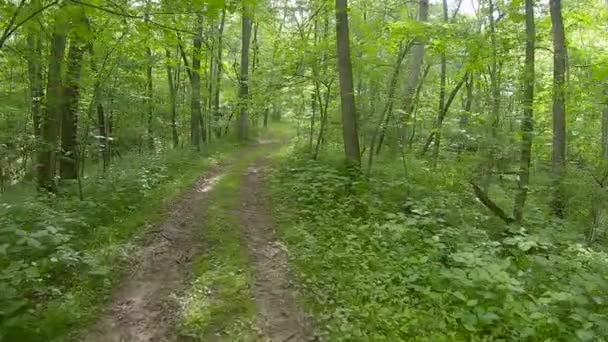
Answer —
10 29
483 197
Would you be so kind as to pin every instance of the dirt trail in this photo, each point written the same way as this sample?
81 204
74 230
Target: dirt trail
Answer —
145 308
279 318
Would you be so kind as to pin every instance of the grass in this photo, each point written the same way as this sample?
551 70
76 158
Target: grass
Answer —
219 304
108 240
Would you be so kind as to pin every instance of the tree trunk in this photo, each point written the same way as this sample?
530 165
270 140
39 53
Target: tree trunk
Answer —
436 134
527 125
195 105
413 77
172 100
559 105
49 125
347 96
149 96
68 168
34 64
381 125
243 119
218 76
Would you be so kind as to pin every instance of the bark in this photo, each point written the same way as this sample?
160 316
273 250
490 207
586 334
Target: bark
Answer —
218 75
195 80
494 208
34 64
149 97
149 86
323 109
49 125
313 108
527 125
413 77
243 119
69 125
559 105
489 149
467 111
347 96
172 100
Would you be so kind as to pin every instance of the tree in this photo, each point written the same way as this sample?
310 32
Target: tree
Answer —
347 93
50 121
413 76
243 118
527 124
195 81
69 125
559 104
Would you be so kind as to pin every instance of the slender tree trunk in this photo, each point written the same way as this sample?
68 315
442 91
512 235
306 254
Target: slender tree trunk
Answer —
313 108
381 126
413 77
527 125
69 125
559 105
34 64
172 100
195 104
149 87
243 119
218 77
149 96
49 126
347 96
467 111
491 147
323 109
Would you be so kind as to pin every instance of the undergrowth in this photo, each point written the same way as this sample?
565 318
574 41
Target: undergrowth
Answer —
60 256
413 257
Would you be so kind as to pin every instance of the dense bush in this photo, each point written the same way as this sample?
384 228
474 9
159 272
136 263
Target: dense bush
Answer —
392 259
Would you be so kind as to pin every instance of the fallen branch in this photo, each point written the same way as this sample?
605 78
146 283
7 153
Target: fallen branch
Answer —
483 197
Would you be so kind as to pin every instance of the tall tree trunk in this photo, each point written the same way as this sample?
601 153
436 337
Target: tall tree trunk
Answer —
442 91
172 100
149 96
195 104
49 125
347 96
218 75
527 125
68 168
413 77
34 64
559 105
491 147
243 118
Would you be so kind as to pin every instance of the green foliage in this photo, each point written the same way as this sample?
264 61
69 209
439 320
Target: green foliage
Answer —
53 248
415 260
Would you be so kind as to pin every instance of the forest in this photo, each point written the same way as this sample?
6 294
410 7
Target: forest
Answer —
303 170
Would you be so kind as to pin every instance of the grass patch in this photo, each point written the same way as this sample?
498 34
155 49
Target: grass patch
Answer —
219 303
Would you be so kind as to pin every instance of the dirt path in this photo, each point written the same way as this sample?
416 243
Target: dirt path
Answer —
279 317
145 308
